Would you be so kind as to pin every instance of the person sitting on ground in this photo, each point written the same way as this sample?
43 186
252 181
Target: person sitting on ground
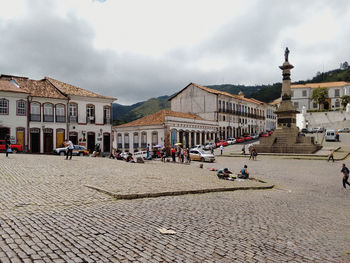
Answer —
224 173
97 151
244 173
130 159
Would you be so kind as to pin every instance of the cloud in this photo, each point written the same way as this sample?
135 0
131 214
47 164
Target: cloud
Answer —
245 50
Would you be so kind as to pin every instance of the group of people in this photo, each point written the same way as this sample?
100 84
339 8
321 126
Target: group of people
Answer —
227 174
182 154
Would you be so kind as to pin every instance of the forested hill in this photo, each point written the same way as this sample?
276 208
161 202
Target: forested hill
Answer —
265 93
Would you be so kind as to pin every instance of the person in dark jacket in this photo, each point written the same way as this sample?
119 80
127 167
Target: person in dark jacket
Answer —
8 145
345 171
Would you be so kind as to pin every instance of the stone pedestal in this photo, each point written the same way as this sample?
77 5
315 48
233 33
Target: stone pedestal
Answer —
285 138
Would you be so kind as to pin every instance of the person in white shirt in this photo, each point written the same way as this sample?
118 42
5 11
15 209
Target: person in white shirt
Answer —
70 148
221 148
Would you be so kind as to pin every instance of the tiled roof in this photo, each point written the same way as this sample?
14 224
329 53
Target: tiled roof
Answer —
321 85
276 101
6 85
73 90
39 88
218 92
159 118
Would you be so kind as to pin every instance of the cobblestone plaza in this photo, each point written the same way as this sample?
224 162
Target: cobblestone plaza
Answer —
49 215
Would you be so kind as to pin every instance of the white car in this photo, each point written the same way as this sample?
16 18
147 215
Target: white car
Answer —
255 136
231 140
209 146
200 155
344 130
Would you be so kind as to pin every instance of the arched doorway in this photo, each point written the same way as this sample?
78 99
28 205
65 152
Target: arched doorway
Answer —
48 140
91 141
4 132
73 137
106 142
35 140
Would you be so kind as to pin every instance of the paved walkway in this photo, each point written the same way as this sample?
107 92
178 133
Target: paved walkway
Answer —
48 215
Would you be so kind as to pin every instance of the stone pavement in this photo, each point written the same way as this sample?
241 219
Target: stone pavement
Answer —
47 215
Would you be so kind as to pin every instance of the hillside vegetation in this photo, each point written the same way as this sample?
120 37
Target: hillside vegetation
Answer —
265 93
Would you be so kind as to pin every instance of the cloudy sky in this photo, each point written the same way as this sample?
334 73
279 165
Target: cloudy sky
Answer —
138 49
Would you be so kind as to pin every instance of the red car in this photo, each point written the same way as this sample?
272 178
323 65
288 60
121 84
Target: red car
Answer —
240 139
247 137
265 134
14 147
269 132
221 142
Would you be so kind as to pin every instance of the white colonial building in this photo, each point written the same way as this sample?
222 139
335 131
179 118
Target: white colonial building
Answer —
164 128
301 94
13 113
56 111
235 114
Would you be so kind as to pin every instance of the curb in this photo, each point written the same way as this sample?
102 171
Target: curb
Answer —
173 193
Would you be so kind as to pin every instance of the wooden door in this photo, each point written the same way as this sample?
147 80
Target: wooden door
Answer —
20 137
59 138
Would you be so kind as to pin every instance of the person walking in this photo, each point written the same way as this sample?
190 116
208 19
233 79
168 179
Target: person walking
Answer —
69 149
330 155
345 171
173 154
221 148
148 149
8 146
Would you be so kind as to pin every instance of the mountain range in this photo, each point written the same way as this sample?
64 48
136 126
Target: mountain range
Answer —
265 93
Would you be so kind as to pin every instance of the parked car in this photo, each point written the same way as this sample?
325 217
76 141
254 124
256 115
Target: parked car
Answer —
78 150
198 146
330 135
221 142
200 155
240 139
255 136
344 130
247 137
304 130
264 134
209 146
318 130
269 132
142 154
14 147
231 140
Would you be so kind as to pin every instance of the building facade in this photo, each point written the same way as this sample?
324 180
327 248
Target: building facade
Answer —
164 128
302 93
56 111
235 114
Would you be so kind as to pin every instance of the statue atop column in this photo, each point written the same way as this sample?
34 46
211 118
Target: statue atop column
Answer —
286 53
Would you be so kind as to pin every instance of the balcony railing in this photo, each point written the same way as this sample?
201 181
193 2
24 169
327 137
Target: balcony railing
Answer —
106 121
48 118
35 117
136 145
73 119
60 118
90 119
126 145
143 145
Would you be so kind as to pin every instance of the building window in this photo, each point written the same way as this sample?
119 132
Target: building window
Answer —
154 138
60 113
296 104
119 141
314 105
143 140
107 115
304 93
90 114
219 105
126 140
223 117
4 106
336 93
292 93
48 112
337 103
35 111
73 112
21 107
136 140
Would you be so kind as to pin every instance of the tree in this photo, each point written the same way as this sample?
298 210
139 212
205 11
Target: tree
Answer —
345 100
320 95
